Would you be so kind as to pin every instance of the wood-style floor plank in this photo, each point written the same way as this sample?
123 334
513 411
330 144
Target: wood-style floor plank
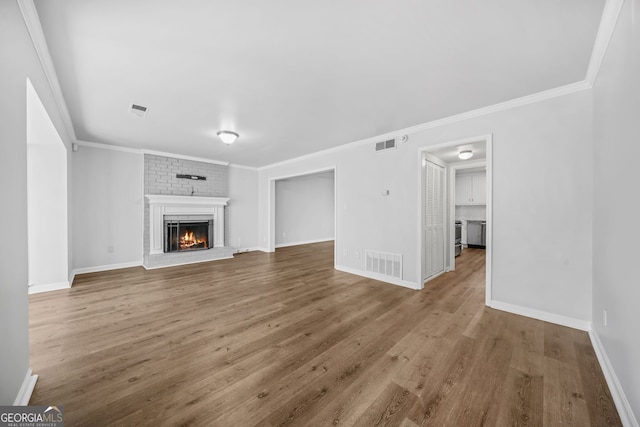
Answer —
284 339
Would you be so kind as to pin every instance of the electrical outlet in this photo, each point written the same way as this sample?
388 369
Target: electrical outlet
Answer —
357 254
284 234
604 317
110 249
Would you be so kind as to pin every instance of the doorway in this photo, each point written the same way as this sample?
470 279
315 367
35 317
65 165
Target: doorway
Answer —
447 154
305 209
280 225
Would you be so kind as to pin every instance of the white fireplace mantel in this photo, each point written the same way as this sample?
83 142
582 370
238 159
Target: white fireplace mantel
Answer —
161 205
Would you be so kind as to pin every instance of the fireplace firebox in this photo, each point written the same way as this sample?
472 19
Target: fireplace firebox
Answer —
187 233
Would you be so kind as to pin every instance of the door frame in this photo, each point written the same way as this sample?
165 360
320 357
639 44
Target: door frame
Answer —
450 193
271 206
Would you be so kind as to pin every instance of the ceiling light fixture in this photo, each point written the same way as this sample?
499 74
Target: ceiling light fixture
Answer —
227 136
465 154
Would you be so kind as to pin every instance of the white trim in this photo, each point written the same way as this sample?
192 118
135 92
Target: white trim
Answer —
558 319
233 165
143 151
378 277
186 200
617 392
185 263
26 390
263 249
108 147
107 267
306 173
610 15
488 163
271 203
162 205
489 222
34 28
608 21
304 242
506 105
180 156
47 287
245 250
72 277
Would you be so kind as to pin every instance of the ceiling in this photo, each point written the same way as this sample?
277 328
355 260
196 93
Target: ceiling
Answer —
292 77
450 153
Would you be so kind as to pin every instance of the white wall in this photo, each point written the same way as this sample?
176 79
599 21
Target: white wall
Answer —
616 286
19 62
305 209
47 198
47 202
242 212
107 208
542 189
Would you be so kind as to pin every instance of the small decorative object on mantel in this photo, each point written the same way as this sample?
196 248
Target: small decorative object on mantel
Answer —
194 177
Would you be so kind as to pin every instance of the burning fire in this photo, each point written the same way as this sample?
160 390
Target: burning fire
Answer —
189 240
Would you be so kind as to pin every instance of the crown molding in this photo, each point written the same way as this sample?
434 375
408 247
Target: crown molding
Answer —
32 22
180 156
608 21
502 106
252 168
108 147
610 15
143 151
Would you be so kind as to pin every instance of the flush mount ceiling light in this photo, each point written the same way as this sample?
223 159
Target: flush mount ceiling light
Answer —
465 154
227 136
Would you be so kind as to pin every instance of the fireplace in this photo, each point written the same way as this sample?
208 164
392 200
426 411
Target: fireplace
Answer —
187 233
190 208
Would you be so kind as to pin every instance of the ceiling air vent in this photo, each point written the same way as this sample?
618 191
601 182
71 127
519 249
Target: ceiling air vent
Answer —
386 145
138 110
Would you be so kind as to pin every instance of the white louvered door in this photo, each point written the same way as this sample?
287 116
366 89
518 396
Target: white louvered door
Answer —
434 219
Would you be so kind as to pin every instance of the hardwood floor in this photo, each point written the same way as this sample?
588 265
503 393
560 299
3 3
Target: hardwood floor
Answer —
285 340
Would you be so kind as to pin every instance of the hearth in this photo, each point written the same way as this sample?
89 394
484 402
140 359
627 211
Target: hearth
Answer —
187 233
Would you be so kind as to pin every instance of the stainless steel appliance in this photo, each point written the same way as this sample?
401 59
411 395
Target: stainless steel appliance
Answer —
458 244
476 234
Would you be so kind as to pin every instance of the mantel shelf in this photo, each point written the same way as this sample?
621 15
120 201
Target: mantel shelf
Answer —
166 200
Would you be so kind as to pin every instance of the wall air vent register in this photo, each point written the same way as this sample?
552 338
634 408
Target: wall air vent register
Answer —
138 110
386 145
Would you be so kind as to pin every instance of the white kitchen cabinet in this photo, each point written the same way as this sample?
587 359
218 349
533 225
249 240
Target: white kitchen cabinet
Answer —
479 192
471 189
464 191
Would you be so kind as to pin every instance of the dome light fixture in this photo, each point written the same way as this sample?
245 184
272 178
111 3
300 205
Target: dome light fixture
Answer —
227 136
465 154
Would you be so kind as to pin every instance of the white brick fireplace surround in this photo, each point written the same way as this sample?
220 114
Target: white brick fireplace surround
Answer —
161 205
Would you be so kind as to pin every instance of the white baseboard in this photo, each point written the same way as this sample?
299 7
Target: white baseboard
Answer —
305 242
107 267
243 250
583 325
47 287
622 403
26 390
262 249
379 277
